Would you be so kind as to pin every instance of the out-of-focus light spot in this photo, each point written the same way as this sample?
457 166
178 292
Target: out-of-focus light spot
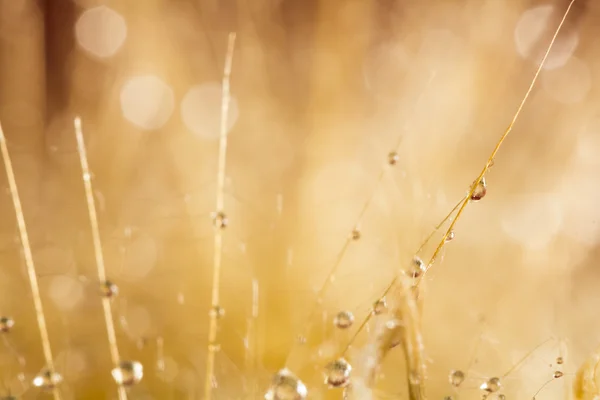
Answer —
141 255
569 84
384 65
73 362
66 292
201 110
533 28
532 220
101 31
580 204
147 102
170 370
587 146
138 322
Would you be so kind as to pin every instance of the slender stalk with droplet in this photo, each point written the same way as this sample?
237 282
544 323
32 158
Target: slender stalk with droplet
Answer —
354 235
490 159
218 240
28 255
487 166
101 268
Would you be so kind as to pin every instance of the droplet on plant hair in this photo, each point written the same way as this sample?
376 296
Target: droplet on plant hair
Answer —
128 373
47 379
450 236
217 312
220 220
337 373
492 385
214 347
286 386
417 267
393 158
379 306
558 374
343 319
480 190
559 360
456 377
6 324
355 235
108 289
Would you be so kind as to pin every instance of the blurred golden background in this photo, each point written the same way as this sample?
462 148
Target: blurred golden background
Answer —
322 92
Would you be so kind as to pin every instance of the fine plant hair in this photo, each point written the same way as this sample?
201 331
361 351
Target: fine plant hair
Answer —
28 256
101 268
406 309
220 219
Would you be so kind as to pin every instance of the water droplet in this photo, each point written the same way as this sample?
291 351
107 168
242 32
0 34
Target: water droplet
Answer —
87 177
337 373
393 158
379 306
558 374
47 379
456 377
559 360
491 385
501 397
6 324
355 235
128 373
343 319
220 220
217 312
301 339
108 289
214 347
480 190
286 386
418 267
450 236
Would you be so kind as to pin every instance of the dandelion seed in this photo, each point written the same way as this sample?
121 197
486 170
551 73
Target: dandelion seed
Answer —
337 373
128 373
343 319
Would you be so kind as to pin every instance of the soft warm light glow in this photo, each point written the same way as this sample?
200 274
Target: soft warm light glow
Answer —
146 101
533 220
66 292
569 84
201 110
533 27
101 31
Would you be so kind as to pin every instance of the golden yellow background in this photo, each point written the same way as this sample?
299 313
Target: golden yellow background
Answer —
324 90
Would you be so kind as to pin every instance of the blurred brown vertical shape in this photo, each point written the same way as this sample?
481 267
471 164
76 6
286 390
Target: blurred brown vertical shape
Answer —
59 17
